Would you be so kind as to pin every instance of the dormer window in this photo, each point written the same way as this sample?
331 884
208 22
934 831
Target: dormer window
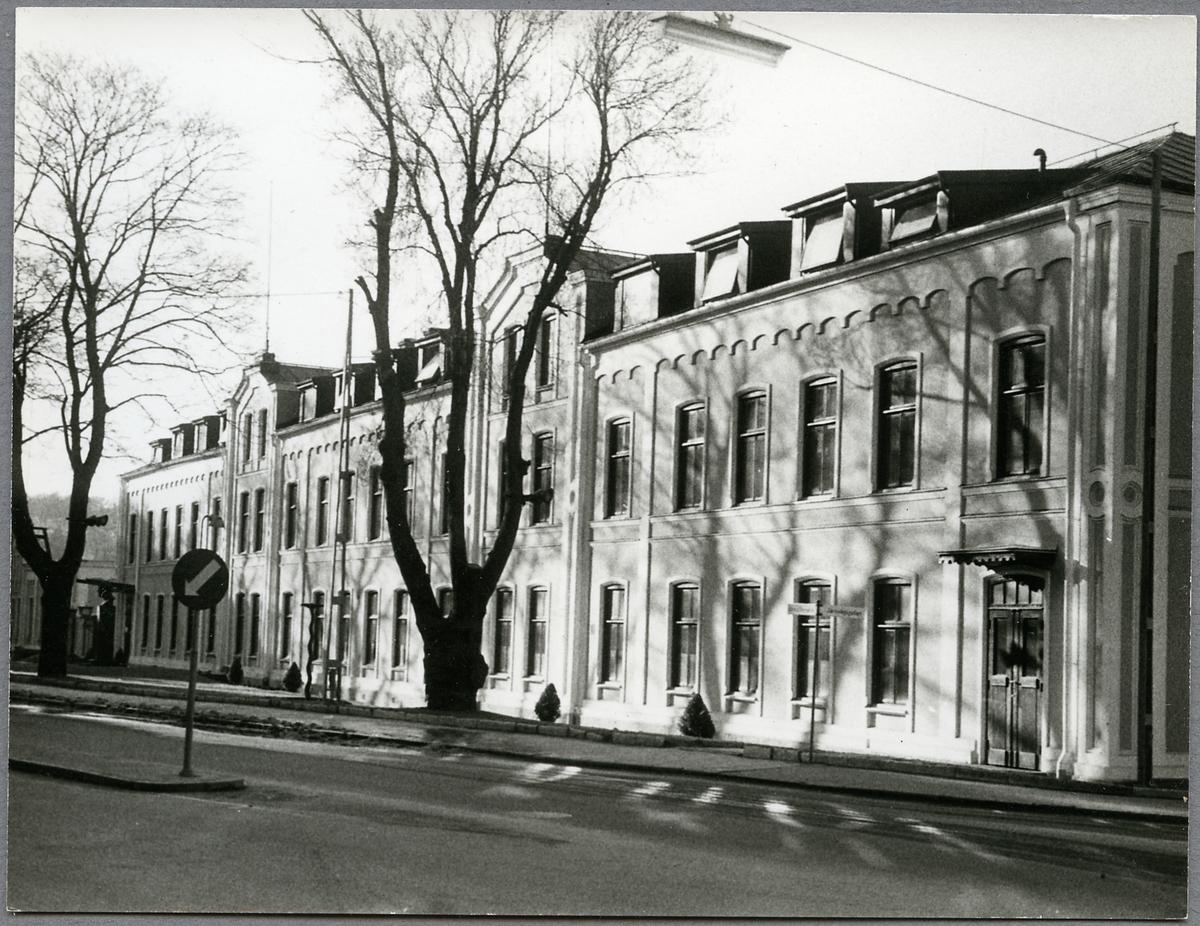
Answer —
920 218
721 277
830 239
429 361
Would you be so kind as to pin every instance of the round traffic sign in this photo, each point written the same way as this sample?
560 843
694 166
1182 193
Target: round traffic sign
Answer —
200 579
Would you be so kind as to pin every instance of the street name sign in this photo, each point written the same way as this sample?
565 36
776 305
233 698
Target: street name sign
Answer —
200 579
803 609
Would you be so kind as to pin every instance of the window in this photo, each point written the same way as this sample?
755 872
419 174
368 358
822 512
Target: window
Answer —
721 278
210 644
255 617
177 537
545 353
502 487
213 525
823 246
243 522
616 499
410 481
690 479
239 623
813 681
819 457
133 538
285 625
174 636
194 527
400 633
247 436
317 627
145 621
375 510
346 514
370 628
612 643
343 640
897 425
260 518
149 536
892 633
746 638
685 637
322 510
162 534
262 433
535 655
1021 406
502 644
920 218
543 478
444 523
751 463
291 514
509 346
158 624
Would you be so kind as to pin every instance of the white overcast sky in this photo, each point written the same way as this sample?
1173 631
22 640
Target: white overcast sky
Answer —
812 123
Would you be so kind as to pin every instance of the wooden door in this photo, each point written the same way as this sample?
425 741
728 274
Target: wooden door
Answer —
1015 672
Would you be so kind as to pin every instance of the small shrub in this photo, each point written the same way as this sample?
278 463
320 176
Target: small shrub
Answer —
548 707
696 720
236 675
291 679
266 681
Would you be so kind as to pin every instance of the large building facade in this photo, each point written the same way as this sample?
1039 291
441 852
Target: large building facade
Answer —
954 413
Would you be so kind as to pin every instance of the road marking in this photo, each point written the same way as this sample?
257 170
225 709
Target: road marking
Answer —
711 796
545 772
780 812
869 853
651 788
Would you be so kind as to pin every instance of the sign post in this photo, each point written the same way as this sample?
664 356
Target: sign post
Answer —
200 580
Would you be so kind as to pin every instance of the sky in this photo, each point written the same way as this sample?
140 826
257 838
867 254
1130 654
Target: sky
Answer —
813 122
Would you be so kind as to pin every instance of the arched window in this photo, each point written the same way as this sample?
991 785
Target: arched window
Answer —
746 637
897 426
750 464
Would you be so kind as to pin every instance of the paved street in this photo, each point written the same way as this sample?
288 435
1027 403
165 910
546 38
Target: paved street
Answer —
324 828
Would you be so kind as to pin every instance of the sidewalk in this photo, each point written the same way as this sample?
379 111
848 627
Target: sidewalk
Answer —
276 713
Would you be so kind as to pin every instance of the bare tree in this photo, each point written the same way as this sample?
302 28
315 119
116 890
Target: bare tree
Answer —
456 112
116 200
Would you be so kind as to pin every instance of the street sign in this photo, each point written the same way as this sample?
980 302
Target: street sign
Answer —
803 609
842 613
200 579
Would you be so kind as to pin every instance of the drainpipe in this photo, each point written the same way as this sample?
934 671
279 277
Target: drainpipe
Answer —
1145 752
1070 661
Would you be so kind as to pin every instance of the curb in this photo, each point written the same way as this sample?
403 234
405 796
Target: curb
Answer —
436 723
297 729
128 784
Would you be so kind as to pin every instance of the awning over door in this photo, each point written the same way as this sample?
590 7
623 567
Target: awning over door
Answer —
1002 559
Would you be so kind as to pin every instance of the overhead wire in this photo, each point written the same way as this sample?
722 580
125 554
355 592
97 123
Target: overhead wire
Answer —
929 86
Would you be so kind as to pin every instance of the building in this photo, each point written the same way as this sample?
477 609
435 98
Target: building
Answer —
953 411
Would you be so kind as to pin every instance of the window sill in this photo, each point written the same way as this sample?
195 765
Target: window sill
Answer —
742 697
610 686
891 710
820 703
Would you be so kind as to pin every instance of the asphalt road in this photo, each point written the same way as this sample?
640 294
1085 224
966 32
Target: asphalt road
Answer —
333 829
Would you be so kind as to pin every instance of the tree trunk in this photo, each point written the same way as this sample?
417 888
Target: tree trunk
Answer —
455 669
56 619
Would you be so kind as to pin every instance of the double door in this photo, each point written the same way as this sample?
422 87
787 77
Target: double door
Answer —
1015 672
